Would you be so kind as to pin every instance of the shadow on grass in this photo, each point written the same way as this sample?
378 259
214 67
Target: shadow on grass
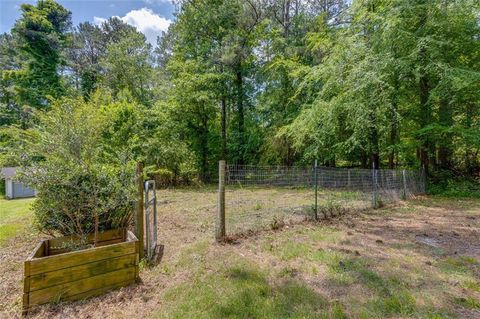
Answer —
392 294
256 298
244 292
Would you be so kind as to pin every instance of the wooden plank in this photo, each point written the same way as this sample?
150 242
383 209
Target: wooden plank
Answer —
131 236
83 286
25 304
83 295
65 275
26 268
26 284
137 260
110 242
99 291
38 251
64 249
60 242
58 251
76 258
46 248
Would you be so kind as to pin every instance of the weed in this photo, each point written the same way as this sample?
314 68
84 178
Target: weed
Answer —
337 311
331 208
401 303
277 222
143 264
458 265
288 272
471 285
467 302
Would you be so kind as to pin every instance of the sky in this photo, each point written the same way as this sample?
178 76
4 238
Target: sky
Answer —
150 17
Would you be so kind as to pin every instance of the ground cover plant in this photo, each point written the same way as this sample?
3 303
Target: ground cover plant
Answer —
416 259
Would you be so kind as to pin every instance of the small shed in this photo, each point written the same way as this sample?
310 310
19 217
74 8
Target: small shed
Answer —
13 187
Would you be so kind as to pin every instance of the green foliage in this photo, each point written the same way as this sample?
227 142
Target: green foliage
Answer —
126 66
81 187
41 34
371 74
445 184
351 83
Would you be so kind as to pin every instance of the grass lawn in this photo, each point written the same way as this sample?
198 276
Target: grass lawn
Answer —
15 216
417 259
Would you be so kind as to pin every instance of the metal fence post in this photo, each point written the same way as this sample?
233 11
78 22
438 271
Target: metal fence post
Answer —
316 190
348 180
139 220
220 220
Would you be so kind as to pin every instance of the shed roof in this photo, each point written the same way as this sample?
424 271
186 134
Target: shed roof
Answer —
8 172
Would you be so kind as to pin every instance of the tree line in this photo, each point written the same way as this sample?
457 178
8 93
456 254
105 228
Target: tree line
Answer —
363 83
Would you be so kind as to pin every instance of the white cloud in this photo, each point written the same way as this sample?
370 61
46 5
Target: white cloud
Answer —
145 21
98 20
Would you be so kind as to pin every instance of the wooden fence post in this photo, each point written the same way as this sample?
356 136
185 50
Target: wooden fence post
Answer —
139 218
220 220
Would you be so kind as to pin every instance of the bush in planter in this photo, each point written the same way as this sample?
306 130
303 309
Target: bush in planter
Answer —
82 187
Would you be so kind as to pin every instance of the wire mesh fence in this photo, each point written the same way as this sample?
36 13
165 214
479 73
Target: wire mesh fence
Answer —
259 197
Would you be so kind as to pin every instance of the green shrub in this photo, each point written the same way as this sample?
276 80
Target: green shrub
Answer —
83 186
447 185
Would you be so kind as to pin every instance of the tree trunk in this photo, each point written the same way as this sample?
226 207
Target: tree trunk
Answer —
425 114
394 124
445 144
241 115
286 18
375 158
472 166
374 148
363 159
375 155
223 106
204 151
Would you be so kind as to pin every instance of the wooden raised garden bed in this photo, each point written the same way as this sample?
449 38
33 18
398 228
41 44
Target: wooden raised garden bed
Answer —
53 273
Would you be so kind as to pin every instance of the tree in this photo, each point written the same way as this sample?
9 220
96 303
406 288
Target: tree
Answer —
386 87
292 40
42 34
84 55
127 66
